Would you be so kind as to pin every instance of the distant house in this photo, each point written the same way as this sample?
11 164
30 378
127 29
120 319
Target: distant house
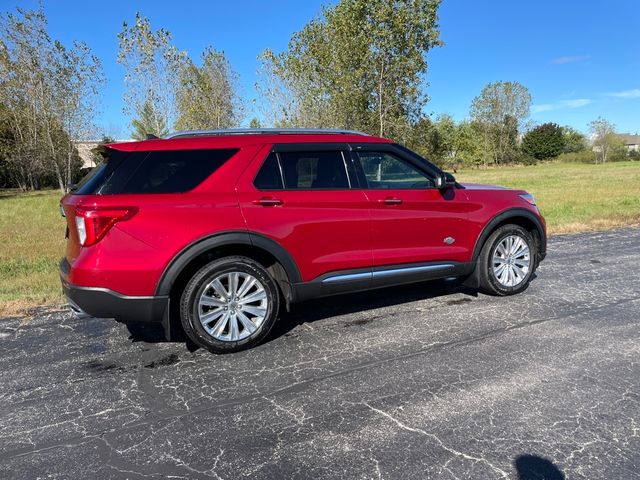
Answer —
84 151
632 142
85 147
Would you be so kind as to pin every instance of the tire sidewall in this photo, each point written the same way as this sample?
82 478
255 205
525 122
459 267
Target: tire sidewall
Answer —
189 303
487 259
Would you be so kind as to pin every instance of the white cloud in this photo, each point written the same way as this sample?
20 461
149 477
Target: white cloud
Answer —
575 103
570 59
633 93
544 107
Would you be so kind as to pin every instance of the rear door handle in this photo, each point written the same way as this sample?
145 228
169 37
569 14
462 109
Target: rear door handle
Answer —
268 202
391 201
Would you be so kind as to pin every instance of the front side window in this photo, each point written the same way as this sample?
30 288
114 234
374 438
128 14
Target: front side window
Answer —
384 170
303 170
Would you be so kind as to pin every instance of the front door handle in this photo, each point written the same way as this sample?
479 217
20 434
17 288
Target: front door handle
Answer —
391 201
268 202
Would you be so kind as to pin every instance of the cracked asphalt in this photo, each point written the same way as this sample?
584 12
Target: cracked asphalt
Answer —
423 381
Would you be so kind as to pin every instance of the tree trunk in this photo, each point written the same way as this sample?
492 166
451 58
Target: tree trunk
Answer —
380 107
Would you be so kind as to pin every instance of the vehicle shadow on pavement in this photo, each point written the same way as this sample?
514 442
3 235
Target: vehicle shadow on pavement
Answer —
532 467
327 307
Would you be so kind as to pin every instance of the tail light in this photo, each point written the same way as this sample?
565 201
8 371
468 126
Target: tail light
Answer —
94 223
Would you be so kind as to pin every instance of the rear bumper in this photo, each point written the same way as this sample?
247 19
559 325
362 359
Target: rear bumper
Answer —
105 303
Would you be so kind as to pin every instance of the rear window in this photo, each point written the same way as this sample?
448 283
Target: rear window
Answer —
167 171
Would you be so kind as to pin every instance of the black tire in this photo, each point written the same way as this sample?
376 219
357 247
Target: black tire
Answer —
488 282
190 304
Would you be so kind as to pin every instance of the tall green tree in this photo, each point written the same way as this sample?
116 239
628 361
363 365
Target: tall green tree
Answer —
152 73
500 111
208 95
425 139
574 141
544 141
361 64
149 122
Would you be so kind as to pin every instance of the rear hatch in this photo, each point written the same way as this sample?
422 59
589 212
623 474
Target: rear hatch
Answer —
104 197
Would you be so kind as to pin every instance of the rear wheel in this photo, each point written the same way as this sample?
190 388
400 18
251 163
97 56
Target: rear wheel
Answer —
229 305
507 261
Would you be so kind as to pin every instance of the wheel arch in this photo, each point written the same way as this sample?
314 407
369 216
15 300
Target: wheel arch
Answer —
266 251
517 216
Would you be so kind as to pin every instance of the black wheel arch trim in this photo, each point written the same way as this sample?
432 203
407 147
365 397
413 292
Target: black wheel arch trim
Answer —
506 215
202 245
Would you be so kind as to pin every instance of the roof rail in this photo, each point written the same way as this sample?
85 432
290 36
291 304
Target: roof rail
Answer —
261 131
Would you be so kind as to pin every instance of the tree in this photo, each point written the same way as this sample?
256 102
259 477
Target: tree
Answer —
49 96
150 122
468 145
604 140
425 139
368 78
501 110
574 141
545 141
99 152
152 74
208 95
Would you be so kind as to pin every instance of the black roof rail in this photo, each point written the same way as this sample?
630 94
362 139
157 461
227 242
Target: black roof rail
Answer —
262 131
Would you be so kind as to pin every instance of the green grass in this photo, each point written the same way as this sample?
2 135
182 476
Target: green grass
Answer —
572 197
31 244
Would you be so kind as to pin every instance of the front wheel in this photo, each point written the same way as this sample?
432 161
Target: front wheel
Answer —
229 305
507 261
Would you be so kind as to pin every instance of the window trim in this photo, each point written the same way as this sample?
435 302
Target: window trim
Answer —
341 148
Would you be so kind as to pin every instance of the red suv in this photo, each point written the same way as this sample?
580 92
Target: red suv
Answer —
213 231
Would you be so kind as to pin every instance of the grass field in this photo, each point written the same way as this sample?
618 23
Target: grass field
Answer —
31 244
572 197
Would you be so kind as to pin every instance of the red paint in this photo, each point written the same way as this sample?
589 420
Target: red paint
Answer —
323 230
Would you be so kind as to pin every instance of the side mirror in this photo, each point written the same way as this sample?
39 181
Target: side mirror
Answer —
445 180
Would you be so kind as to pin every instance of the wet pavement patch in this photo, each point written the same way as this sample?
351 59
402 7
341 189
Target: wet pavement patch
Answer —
164 361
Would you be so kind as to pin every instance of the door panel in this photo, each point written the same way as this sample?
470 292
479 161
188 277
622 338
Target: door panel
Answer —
412 221
317 218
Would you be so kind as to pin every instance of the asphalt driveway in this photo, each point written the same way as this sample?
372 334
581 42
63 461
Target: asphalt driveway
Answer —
426 381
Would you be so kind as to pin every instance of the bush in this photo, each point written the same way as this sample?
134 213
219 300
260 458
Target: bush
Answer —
584 156
543 142
524 158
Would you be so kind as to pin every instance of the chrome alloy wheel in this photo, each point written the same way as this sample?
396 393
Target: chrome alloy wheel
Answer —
511 261
233 306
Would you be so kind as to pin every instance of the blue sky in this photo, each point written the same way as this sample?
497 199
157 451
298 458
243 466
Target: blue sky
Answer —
579 59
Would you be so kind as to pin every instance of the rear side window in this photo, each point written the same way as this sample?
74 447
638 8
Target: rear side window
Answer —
96 178
304 170
167 171
269 176
314 170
